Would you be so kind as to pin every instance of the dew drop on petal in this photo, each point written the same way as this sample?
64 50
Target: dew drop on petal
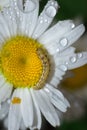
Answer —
80 55
26 7
41 21
64 42
57 50
46 20
66 63
63 67
50 11
73 25
73 59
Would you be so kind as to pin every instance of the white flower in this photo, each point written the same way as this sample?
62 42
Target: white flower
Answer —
4 3
33 59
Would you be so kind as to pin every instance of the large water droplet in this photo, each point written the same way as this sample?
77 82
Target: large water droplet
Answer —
64 42
27 6
51 11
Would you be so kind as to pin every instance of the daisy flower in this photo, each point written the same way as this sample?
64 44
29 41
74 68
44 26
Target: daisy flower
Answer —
33 60
4 3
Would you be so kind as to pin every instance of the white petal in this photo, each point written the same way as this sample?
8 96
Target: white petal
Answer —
60 58
4 110
45 18
59 73
58 99
60 28
10 17
46 107
77 60
55 81
14 117
22 126
6 122
29 18
66 102
67 51
57 76
70 37
4 31
5 91
72 61
2 80
27 107
53 90
4 3
37 114
1 40
65 40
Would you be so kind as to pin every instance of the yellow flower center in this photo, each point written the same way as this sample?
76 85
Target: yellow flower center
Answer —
24 62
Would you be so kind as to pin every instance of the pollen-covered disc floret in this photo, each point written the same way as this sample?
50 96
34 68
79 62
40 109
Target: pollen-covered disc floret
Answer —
24 62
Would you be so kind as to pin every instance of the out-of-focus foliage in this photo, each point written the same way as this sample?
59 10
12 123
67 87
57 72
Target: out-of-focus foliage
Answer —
72 8
80 124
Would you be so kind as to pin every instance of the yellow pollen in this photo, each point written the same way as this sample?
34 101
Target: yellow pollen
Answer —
24 62
16 100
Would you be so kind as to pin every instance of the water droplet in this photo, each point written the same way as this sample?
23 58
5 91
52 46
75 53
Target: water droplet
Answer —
51 11
46 20
80 55
18 13
7 12
63 67
64 42
13 19
66 63
15 3
47 90
73 25
52 3
57 50
26 7
41 21
10 17
56 5
73 59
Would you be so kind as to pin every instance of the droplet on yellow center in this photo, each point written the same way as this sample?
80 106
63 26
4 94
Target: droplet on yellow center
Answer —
20 62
